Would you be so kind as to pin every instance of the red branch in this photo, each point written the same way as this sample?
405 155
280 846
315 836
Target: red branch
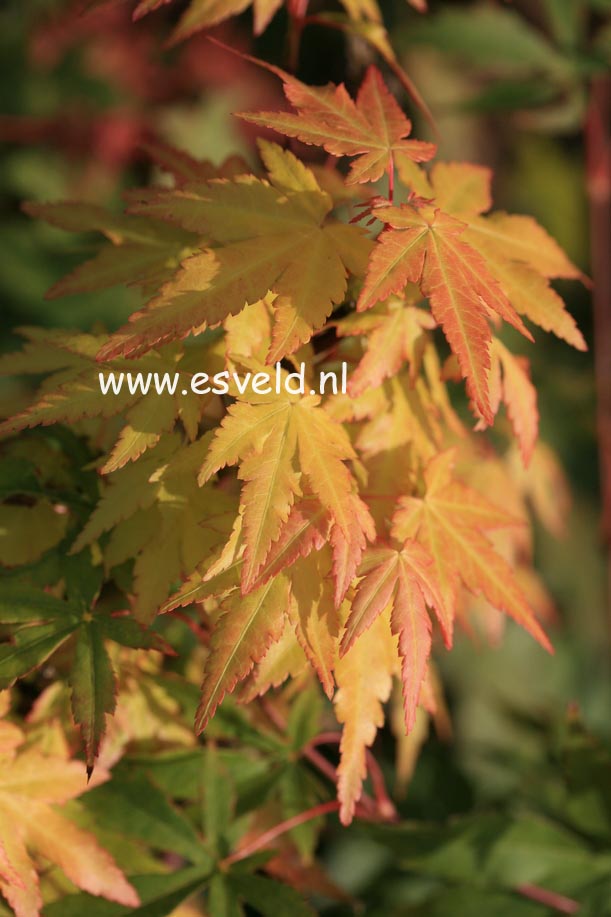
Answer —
598 154
550 899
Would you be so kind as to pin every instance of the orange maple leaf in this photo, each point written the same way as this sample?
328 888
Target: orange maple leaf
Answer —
373 128
426 247
405 580
449 521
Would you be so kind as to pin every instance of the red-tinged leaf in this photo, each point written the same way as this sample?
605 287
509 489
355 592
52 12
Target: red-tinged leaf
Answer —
456 280
306 530
242 635
461 289
398 256
448 521
93 688
373 128
373 594
18 879
411 623
185 169
518 252
403 580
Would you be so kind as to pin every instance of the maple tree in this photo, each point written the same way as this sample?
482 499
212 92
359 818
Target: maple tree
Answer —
294 539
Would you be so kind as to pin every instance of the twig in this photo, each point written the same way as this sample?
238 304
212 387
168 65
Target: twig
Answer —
550 899
268 836
598 153
202 635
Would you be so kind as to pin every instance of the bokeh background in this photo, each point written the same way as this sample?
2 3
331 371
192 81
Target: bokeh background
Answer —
509 86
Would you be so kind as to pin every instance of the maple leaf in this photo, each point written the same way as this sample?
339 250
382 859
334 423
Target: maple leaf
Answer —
159 516
470 265
393 337
426 247
404 580
305 441
449 522
373 128
142 252
185 168
531 294
313 614
268 239
41 623
242 635
310 609
518 252
364 680
31 785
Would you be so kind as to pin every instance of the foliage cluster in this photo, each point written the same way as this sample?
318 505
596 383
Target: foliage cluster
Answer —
278 568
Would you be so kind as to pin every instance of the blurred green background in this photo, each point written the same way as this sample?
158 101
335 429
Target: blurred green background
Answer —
508 86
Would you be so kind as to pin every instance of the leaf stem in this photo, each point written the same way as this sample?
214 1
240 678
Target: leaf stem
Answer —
297 10
550 899
379 808
267 837
200 633
384 804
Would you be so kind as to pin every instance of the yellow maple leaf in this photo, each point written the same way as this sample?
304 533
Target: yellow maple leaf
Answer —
274 441
364 679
